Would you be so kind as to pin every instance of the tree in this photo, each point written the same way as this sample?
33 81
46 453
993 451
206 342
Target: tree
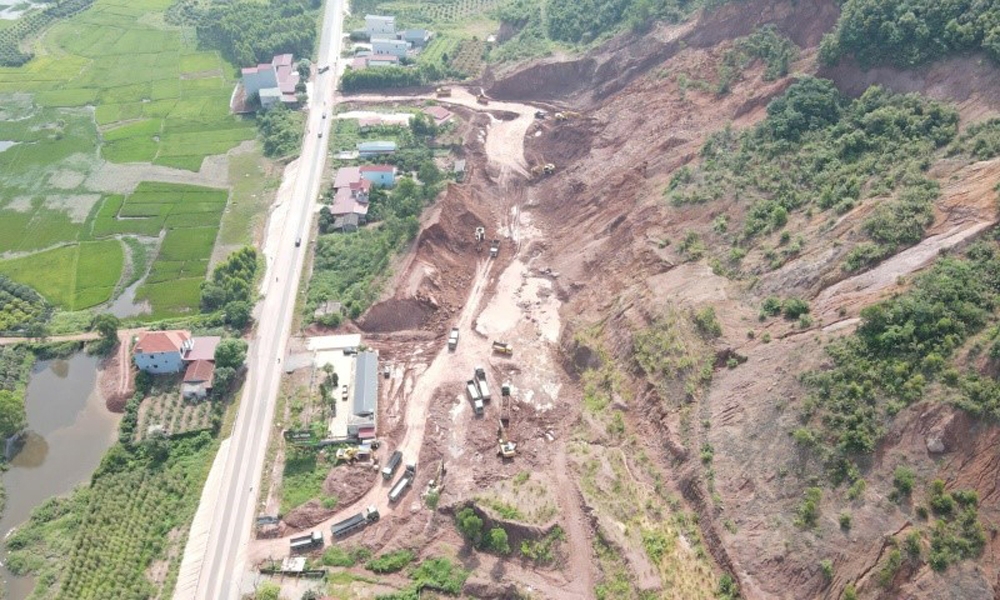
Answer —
12 415
429 174
470 525
230 353
238 313
497 541
107 326
222 380
268 591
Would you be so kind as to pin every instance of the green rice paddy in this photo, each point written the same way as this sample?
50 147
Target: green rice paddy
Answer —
112 84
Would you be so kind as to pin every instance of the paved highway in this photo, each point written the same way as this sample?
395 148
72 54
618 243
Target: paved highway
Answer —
224 567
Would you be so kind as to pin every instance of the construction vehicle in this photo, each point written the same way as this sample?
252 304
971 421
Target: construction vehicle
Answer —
503 348
390 467
541 114
358 521
404 483
453 339
482 99
443 92
506 448
480 234
484 388
567 114
347 454
494 248
305 543
474 396
343 393
543 169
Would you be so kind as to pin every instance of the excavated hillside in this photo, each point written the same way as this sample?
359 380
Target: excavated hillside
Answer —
722 449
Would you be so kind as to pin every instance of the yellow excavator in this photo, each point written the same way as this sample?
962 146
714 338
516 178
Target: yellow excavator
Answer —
347 454
567 114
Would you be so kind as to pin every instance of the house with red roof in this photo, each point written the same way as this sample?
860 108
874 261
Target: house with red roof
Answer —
379 175
198 378
161 351
173 351
440 114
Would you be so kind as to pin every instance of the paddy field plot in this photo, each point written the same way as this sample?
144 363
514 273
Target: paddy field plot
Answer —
112 84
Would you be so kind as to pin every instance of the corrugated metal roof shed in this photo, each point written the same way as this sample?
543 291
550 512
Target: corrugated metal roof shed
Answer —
365 384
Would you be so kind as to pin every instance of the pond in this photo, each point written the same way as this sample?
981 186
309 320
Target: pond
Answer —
70 429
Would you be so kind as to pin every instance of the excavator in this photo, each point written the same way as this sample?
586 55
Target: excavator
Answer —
347 454
506 448
481 97
543 169
567 114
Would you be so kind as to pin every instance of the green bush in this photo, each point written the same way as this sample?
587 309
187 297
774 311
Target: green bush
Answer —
903 480
469 525
281 131
390 562
765 44
807 514
900 347
496 541
793 308
707 323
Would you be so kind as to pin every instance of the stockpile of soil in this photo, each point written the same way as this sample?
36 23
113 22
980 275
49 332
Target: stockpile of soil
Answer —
308 515
396 315
348 483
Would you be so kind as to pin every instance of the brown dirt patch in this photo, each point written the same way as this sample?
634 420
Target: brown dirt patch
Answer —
350 482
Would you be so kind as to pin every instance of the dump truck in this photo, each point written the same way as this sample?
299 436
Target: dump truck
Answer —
305 543
541 114
453 339
494 248
443 92
503 348
484 388
390 467
474 395
358 521
505 389
404 483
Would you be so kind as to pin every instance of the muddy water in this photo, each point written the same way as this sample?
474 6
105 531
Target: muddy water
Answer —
70 430
126 306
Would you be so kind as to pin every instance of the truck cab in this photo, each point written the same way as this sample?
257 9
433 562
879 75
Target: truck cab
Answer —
298 241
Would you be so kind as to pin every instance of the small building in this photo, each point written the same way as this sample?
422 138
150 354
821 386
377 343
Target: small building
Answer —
397 48
160 351
376 148
365 384
272 82
379 24
439 114
417 38
346 176
198 379
382 60
347 202
459 170
269 97
330 307
379 175
347 223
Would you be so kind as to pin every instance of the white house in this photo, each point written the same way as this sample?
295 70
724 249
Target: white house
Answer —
390 47
377 24
161 351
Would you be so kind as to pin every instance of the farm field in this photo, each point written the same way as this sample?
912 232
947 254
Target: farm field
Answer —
112 85
75 277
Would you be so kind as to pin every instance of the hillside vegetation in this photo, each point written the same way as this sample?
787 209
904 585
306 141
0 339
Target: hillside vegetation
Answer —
907 33
818 150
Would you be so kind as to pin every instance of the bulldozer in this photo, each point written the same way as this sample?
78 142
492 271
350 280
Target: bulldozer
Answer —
540 170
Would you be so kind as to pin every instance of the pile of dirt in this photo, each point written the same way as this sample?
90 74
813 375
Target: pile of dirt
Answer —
396 315
305 516
350 482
